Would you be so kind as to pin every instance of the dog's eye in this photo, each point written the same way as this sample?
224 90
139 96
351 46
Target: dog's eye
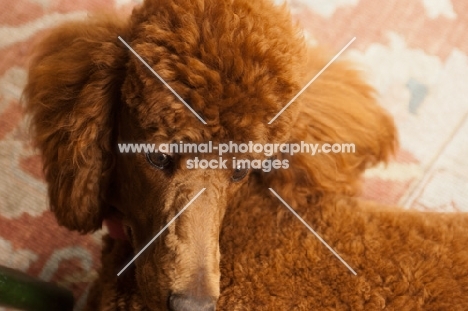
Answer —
159 160
239 173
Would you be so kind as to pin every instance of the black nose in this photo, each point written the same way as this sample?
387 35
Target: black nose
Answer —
179 302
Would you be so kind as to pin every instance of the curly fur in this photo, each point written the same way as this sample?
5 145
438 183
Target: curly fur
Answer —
237 63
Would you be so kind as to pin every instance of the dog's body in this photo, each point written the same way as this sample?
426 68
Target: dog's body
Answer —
237 63
404 260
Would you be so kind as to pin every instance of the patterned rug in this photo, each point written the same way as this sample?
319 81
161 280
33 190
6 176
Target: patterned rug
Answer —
415 53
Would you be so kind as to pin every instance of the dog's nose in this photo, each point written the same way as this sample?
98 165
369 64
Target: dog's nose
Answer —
179 302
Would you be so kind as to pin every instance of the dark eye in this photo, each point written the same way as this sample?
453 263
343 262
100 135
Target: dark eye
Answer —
239 173
159 160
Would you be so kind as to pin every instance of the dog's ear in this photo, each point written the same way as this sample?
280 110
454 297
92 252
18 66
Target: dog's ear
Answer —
339 107
72 92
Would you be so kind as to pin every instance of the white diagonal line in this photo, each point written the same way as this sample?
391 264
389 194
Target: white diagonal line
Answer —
162 230
312 230
313 79
162 80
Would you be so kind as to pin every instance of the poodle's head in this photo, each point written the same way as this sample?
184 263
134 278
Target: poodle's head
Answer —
235 63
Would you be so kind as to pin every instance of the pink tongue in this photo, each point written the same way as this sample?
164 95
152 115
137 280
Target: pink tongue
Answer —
115 227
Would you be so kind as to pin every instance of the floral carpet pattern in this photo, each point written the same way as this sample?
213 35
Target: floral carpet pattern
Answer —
415 53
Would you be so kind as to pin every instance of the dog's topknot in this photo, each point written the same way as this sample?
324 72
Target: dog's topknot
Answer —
237 63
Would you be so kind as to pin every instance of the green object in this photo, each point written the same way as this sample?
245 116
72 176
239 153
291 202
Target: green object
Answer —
21 291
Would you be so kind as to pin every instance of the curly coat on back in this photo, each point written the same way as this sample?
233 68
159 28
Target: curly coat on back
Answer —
236 63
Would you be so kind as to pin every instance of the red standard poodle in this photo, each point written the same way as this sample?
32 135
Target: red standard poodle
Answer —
236 63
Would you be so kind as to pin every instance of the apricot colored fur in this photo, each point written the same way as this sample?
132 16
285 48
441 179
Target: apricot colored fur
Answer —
237 63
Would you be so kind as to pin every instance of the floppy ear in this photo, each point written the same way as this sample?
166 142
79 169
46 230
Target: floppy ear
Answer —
339 107
72 92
